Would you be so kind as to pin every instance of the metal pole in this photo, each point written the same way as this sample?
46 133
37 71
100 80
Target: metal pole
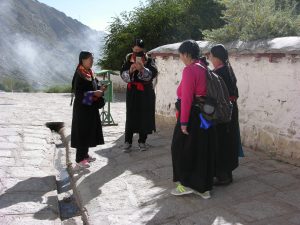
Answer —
109 95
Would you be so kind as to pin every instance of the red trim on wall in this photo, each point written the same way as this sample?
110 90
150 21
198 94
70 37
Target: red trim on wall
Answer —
273 57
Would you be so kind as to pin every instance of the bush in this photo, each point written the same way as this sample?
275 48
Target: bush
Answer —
248 20
59 89
15 85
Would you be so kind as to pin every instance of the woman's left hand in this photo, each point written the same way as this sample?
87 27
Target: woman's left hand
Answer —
139 66
184 130
98 93
103 88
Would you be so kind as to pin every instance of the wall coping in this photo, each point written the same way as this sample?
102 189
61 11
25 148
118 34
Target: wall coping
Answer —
280 45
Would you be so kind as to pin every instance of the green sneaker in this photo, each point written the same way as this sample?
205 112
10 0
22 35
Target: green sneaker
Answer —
181 190
204 195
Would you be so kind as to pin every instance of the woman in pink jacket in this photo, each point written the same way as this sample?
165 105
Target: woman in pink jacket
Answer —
193 144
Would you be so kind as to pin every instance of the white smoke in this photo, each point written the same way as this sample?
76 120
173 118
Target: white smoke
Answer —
34 58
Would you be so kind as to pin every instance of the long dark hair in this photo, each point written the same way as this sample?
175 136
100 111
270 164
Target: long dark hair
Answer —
192 49
220 52
82 55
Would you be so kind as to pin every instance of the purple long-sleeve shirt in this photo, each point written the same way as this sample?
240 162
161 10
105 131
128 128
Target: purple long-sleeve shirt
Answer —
193 83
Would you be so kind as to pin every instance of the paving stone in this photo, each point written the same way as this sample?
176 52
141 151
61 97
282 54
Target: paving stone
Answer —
29 171
3 172
35 140
32 184
215 216
29 220
276 220
247 189
7 145
6 153
7 161
36 130
29 203
2 139
294 219
35 146
279 180
33 154
39 162
14 139
291 197
244 172
255 210
8 132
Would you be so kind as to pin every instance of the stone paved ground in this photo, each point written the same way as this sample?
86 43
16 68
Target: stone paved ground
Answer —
134 188
28 192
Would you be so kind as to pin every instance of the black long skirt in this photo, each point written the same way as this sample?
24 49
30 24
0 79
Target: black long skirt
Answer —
193 154
227 154
140 110
86 126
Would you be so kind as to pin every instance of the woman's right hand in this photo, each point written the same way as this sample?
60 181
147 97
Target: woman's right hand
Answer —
98 93
132 68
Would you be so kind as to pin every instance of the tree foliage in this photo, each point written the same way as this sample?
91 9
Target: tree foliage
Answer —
159 22
248 20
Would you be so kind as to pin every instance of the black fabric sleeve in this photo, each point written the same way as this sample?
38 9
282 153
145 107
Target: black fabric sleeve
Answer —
79 89
152 67
126 65
224 74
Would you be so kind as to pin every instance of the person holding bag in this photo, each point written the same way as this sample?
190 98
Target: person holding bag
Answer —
86 124
193 145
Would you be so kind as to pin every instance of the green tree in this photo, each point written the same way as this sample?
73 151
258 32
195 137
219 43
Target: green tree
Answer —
248 20
159 22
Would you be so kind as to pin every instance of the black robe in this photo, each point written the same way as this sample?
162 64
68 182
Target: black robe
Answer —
140 105
86 124
193 154
228 133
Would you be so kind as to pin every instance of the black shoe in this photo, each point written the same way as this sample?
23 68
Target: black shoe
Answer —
142 147
219 182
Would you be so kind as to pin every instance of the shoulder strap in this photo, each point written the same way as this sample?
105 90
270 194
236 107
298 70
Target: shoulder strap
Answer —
203 67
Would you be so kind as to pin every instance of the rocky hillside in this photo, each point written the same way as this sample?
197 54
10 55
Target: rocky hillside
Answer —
40 45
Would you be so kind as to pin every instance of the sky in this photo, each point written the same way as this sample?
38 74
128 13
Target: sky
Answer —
94 13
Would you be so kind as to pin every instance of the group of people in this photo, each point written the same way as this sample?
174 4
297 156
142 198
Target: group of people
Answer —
201 157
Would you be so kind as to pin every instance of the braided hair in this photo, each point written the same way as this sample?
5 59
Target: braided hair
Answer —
220 52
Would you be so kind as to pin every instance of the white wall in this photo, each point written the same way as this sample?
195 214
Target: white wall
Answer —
269 101
118 84
168 79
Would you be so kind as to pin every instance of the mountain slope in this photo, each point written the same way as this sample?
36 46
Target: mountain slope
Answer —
40 45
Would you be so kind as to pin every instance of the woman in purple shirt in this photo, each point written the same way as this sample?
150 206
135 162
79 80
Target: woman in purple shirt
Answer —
192 146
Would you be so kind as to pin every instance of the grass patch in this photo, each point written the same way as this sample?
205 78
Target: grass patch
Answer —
15 85
59 89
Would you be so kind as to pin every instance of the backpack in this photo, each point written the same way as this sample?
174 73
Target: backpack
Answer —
216 106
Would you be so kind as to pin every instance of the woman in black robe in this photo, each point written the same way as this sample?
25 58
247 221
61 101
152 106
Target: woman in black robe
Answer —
138 71
228 133
86 124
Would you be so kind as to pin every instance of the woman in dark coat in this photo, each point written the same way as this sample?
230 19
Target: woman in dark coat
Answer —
228 134
138 71
192 147
86 124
